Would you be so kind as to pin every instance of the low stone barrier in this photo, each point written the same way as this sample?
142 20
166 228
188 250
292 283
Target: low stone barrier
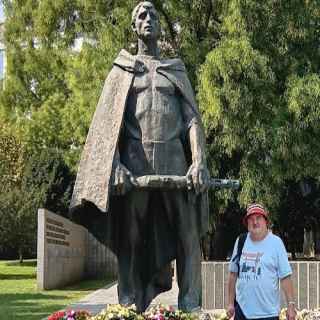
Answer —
67 253
101 261
306 282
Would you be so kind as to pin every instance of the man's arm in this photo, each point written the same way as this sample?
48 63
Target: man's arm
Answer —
231 293
287 287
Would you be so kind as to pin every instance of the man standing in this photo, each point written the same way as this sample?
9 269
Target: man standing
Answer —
147 123
253 285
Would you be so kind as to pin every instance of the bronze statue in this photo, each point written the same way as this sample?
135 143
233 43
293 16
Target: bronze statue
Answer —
147 124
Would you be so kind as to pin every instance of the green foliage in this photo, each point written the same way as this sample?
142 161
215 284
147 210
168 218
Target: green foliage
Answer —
237 98
18 220
49 176
45 183
259 96
300 137
51 90
11 158
191 30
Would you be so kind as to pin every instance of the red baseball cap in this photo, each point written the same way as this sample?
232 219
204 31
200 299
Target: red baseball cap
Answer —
255 209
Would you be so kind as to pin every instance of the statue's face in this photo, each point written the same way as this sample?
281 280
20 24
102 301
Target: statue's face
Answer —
146 23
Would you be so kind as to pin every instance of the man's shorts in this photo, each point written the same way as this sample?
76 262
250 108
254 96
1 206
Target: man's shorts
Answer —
240 316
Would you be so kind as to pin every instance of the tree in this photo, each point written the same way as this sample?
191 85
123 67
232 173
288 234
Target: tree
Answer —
11 158
46 182
18 221
259 95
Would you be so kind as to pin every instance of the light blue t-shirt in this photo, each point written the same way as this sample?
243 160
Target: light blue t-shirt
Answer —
262 264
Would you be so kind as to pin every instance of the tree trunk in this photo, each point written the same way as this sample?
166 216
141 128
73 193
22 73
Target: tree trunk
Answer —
308 244
317 242
206 246
20 255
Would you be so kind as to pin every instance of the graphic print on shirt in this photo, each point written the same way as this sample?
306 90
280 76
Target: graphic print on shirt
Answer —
250 266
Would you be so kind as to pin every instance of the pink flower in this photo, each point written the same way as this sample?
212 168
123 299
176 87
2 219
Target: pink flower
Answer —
160 317
70 313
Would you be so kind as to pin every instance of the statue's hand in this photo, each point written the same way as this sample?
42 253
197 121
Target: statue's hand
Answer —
123 180
198 178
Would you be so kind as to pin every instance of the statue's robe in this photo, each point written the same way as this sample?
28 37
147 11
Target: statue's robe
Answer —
92 203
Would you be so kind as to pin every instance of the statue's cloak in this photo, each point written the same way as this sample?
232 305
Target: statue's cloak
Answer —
92 196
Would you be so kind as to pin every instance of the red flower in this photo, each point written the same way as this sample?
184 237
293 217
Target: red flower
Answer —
57 316
76 315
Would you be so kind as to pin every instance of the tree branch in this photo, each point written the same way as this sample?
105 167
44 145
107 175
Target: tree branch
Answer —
169 23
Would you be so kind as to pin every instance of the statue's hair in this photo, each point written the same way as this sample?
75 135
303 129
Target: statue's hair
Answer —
136 10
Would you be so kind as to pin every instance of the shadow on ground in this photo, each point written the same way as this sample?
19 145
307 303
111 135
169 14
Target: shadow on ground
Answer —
27 263
24 306
17 276
90 285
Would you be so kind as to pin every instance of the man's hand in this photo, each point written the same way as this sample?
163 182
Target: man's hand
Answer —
291 312
198 178
230 310
123 180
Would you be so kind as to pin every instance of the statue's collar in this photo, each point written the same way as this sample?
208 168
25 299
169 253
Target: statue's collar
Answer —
131 63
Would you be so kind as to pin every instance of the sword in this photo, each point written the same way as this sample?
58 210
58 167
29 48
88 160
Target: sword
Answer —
180 182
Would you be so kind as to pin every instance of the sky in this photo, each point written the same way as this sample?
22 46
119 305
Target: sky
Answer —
1 12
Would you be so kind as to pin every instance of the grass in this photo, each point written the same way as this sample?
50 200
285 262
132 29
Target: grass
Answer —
20 299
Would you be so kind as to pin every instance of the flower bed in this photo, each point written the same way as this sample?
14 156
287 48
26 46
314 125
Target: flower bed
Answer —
159 312
118 312
70 315
303 314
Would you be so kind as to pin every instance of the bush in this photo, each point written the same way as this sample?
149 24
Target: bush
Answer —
46 182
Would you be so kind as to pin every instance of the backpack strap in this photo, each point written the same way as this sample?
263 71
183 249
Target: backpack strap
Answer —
241 241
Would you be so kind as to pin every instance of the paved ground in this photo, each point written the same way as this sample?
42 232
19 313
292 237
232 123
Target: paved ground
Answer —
98 300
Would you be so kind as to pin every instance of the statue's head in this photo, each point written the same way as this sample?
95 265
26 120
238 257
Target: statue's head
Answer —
145 21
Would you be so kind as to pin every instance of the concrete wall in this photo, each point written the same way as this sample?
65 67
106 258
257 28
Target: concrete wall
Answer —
306 281
67 253
101 261
61 251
